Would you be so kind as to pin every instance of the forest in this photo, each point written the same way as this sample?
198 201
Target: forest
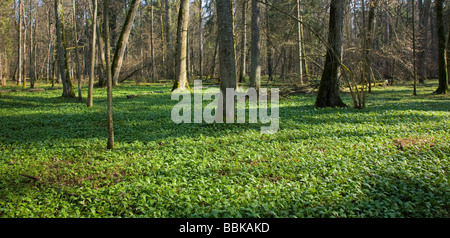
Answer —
357 89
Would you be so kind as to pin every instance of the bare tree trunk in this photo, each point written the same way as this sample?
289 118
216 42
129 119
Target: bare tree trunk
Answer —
300 42
200 35
89 100
413 6
424 9
328 95
19 45
123 41
443 80
152 43
226 56
181 59
368 42
32 73
243 43
62 54
269 48
168 39
77 56
255 76
110 143
101 53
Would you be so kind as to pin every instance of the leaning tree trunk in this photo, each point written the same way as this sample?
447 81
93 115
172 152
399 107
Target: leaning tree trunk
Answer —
255 76
89 100
109 83
443 81
62 54
181 64
227 61
123 41
328 95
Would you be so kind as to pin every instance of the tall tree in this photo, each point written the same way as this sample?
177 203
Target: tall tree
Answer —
123 41
255 76
226 56
424 15
19 44
152 45
181 55
90 100
77 56
62 54
328 95
200 36
109 83
243 42
442 61
300 42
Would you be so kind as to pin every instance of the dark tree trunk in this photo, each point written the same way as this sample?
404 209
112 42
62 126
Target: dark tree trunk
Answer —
443 81
328 95
226 55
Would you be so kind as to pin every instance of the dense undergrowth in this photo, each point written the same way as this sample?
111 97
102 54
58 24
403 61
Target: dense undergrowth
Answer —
388 160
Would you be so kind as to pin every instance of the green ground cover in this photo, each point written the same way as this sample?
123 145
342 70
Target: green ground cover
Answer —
388 160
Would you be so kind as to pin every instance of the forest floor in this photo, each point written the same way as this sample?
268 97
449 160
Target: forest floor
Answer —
390 159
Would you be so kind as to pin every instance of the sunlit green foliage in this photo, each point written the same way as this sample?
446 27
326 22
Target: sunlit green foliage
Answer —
388 160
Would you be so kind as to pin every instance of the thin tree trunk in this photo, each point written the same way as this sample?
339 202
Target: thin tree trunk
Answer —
181 63
32 73
123 41
328 95
110 143
168 40
226 56
300 42
152 43
269 48
255 76
200 35
243 43
77 56
443 80
101 53
413 6
19 45
89 100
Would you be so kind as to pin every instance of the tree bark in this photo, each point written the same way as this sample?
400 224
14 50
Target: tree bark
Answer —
123 41
19 45
200 36
181 58
89 100
424 9
300 41
77 57
109 83
255 76
152 48
328 95
226 56
62 54
243 43
443 80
